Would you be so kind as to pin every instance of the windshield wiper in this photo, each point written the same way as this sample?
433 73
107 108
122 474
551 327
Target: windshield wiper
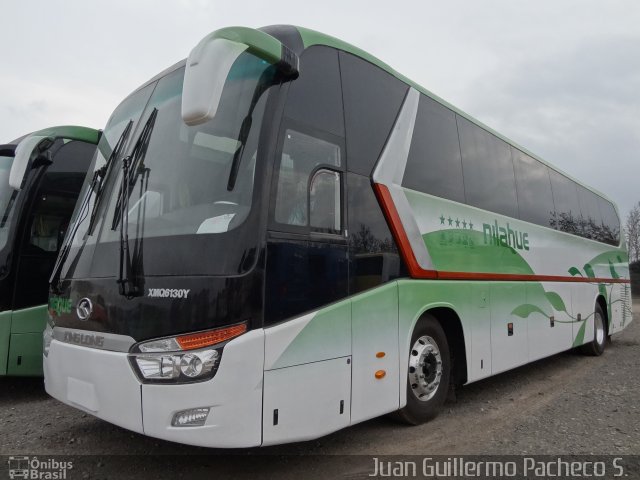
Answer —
66 247
7 211
105 171
263 83
97 183
132 168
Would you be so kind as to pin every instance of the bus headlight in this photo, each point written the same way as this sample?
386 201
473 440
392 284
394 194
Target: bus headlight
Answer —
197 365
182 359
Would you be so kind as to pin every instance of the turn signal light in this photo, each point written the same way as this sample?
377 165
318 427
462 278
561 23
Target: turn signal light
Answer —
380 374
212 337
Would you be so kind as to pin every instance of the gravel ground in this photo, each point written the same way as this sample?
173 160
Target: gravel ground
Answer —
567 404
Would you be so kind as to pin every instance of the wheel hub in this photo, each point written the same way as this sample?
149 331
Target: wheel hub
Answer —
425 368
599 326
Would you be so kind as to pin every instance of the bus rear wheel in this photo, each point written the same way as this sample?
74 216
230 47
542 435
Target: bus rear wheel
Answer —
597 345
428 373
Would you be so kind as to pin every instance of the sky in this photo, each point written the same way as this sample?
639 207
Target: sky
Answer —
559 77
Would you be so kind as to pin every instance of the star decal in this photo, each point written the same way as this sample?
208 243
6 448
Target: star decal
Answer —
470 226
464 224
450 220
457 222
442 219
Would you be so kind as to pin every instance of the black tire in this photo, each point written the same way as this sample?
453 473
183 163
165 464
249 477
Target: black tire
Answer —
596 346
417 410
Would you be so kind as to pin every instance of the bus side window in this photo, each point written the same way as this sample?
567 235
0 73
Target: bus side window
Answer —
324 200
301 155
56 197
48 225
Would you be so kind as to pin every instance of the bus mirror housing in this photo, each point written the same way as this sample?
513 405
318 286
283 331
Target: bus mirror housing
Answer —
24 150
211 60
21 160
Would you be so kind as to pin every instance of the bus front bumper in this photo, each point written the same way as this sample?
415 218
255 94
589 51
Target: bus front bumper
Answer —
103 383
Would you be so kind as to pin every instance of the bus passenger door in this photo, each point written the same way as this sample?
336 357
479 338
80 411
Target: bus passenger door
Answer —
307 264
307 381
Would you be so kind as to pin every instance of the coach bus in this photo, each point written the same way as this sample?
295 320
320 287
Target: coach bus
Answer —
290 237
40 178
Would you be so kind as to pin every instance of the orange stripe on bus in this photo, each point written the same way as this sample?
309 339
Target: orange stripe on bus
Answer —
398 232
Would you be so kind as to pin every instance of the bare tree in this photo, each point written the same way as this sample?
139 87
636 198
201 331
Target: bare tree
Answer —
632 231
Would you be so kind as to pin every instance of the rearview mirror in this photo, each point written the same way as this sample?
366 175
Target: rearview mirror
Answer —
25 148
209 63
21 160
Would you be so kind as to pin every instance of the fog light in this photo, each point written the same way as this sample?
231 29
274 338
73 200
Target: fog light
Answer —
194 417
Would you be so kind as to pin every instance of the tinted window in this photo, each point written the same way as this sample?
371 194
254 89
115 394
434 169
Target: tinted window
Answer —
324 202
70 165
57 194
535 201
434 165
372 249
372 99
591 221
488 170
48 222
47 219
73 156
184 186
315 97
610 222
565 198
301 154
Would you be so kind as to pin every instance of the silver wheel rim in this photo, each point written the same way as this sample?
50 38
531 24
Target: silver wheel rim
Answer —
599 325
425 368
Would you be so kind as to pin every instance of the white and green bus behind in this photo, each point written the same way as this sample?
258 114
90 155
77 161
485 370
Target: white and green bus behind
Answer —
40 179
289 237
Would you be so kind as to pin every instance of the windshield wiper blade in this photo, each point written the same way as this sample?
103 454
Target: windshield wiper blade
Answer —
105 171
265 81
66 246
96 185
5 215
132 168
136 166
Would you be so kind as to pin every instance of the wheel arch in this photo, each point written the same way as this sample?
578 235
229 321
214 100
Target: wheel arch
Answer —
452 325
600 300
449 319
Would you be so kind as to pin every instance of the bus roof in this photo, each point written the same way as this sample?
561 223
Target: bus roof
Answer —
72 132
312 37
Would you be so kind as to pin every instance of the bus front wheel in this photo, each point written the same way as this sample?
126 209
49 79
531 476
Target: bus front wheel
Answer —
599 342
428 373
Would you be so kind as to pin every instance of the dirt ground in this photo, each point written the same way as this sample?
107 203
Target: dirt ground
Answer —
567 404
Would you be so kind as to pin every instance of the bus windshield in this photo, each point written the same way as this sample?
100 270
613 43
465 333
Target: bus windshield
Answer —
7 199
195 181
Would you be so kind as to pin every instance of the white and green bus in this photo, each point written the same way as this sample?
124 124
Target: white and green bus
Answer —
289 237
40 178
